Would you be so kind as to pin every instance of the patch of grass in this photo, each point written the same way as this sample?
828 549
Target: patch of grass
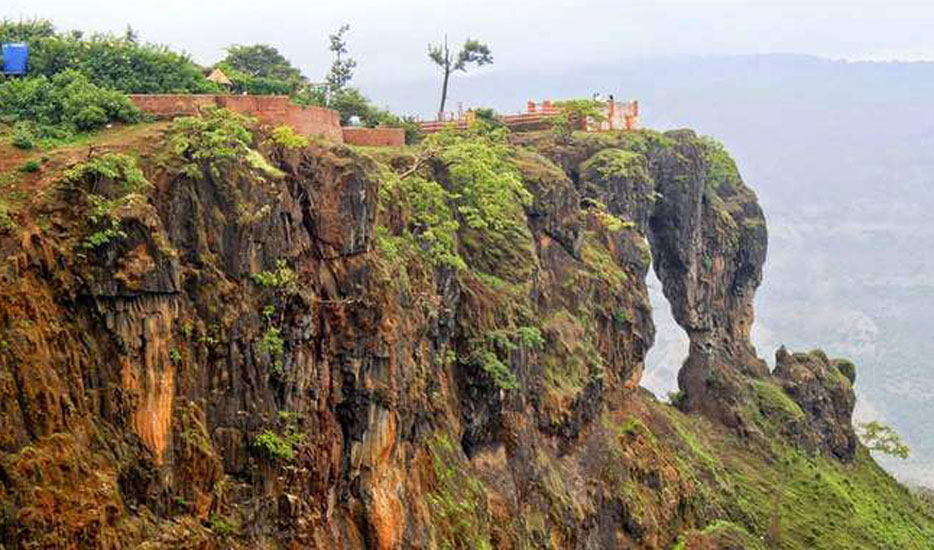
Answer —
600 262
616 164
775 403
721 168
223 526
457 500
6 221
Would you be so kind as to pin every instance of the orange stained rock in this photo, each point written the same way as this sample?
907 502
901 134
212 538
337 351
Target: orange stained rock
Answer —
151 375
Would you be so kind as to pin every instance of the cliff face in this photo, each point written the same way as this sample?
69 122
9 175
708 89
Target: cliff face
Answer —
249 342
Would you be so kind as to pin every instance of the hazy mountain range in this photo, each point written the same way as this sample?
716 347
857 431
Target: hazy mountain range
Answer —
842 157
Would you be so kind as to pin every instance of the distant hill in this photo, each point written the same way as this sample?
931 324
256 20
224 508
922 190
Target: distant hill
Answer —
842 157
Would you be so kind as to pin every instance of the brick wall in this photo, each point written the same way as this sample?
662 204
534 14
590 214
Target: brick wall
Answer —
375 137
272 110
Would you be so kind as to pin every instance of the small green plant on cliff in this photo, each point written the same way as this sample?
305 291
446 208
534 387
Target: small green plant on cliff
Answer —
531 337
281 278
883 439
109 229
275 446
615 164
280 445
607 220
273 344
498 371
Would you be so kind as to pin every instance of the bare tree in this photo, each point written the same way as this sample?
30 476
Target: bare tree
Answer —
473 51
342 68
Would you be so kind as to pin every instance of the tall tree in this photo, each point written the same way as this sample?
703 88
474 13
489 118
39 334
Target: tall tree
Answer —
263 61
342 68
472 52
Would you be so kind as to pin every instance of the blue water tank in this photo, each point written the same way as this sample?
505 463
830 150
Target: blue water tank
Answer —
15 58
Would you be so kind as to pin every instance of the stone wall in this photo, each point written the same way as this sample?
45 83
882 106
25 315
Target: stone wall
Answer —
375 137
272 110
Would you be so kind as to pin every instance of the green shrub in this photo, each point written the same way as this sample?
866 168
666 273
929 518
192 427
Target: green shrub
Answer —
283 277
498 371
30 166
281 445
106 171
430 230
216 138
23 136
531 337
64 105
287 138
275 446
881 438
273 345
108 182
486 185
721 168
104 236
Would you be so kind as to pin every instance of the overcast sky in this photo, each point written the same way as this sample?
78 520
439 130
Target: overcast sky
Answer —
389 37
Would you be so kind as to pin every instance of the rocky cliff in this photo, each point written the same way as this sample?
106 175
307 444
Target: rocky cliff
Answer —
214 335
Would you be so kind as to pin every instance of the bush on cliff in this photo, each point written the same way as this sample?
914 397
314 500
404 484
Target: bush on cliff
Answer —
208 142
108 183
